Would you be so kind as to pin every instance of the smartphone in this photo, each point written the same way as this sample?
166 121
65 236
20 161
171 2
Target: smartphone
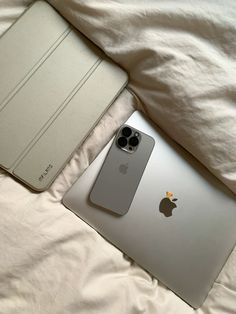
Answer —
122 170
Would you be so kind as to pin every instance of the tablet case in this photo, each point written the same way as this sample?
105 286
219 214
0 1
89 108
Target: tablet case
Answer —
54 86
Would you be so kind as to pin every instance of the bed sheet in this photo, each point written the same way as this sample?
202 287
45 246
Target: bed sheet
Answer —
51 261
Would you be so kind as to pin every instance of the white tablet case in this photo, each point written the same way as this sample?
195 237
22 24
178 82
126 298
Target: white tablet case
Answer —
54 86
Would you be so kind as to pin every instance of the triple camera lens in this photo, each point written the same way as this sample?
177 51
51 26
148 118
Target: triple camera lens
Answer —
129 139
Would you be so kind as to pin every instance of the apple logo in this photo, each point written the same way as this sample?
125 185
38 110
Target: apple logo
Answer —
123 168
167 204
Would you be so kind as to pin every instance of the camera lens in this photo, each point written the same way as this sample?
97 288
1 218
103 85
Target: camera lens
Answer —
122 141
133 141
126 131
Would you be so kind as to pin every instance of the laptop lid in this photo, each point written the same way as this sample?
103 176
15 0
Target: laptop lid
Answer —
185 249
54 86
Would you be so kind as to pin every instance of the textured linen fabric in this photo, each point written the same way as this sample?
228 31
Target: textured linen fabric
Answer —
180 56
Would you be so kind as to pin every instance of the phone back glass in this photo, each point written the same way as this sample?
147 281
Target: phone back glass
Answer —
119 177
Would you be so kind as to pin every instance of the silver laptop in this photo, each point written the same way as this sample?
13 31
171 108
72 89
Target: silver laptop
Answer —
184 247
54 87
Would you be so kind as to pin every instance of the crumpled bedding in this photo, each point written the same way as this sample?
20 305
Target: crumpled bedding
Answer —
180 57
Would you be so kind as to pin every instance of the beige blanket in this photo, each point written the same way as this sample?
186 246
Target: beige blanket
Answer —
180 56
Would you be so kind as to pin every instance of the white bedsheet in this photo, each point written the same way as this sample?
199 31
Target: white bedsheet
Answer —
181 60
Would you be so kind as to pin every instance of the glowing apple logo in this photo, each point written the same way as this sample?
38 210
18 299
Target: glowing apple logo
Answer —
167 204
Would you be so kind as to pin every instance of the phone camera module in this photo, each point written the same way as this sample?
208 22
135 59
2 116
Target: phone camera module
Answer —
133 141
128 139
126 131
122 141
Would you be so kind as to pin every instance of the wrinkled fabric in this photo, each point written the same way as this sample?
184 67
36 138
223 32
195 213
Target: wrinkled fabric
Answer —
180 56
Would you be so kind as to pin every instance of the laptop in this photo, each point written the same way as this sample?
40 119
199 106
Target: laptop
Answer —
185 248
54 87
